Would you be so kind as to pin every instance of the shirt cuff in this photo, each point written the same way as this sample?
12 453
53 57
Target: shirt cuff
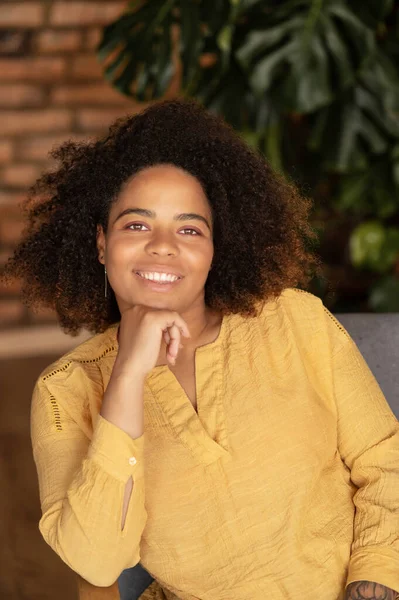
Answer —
377 564
115 451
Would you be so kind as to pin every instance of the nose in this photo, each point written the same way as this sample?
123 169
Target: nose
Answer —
162 244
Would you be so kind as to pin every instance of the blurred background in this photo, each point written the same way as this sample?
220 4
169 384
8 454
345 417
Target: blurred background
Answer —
312 84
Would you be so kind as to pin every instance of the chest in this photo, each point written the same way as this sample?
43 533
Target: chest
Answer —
185 375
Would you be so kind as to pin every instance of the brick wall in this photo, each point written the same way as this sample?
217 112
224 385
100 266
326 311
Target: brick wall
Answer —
51 89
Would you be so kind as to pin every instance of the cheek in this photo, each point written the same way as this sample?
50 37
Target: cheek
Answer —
200 258
120 249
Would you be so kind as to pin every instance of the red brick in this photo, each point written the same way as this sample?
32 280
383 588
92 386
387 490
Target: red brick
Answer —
93 37
4 256
95 93
11 288
20 175
86 66
38 147
20 94
100 119
10 230
84 13
22 14
53 40
10 211
11 311
14 42
42 68
6 151
9 200
35 121
42 314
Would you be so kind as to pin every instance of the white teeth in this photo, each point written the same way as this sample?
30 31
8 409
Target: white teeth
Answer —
160 277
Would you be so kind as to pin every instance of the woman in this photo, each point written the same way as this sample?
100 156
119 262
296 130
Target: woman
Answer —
221 426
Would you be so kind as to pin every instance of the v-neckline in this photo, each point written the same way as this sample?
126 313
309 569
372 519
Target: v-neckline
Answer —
196 428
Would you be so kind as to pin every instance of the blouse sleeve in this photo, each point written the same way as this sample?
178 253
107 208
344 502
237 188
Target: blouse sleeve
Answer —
82 482
368 442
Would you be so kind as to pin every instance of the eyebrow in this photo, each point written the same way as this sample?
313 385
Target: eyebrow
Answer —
152 215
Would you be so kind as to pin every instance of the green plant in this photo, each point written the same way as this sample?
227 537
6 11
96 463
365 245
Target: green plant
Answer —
313 84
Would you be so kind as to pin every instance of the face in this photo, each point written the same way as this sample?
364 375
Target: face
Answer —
161 222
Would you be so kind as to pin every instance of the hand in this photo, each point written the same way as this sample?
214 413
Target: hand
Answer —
141 332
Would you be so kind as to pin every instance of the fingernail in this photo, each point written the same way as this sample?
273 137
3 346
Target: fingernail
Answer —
181 346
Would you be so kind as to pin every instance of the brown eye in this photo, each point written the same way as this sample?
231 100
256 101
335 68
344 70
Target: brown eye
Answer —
135 225
190 229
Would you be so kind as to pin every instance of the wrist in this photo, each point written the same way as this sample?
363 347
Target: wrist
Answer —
127 368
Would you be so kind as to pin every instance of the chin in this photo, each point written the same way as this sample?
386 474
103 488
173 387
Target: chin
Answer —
160 303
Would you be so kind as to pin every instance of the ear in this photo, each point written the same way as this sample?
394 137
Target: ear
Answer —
101 244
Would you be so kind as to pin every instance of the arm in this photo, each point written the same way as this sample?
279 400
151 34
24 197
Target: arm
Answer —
128 416
367 590
83 483
368 443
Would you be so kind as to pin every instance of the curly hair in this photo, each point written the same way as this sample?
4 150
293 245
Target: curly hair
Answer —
262 234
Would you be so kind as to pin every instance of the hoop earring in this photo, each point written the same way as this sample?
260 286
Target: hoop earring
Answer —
105 281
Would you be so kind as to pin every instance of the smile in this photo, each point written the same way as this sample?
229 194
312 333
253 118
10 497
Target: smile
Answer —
158 280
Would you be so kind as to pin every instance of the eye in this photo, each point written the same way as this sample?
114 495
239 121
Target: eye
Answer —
190 229
134 225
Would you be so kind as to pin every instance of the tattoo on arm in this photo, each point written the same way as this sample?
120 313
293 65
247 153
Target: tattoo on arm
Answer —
368 590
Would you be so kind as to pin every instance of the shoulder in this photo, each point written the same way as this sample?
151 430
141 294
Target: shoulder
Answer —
305 315
296 304
82 364
303 306
68 393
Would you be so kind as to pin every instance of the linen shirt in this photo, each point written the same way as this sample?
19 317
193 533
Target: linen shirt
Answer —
284 484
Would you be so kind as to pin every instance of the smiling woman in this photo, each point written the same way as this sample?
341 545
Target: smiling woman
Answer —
163 252
207 429
253 221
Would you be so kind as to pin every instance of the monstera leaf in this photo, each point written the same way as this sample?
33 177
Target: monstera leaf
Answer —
372 12
270 59
303 56
374 191
137 49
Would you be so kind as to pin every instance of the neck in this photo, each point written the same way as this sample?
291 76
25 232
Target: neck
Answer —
198 322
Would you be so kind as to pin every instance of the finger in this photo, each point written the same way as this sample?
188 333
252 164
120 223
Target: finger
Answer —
166 337
180 323
185 330
173 347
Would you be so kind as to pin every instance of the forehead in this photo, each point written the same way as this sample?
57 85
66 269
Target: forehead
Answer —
164 184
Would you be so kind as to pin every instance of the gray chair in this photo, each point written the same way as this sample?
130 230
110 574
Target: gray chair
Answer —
377 337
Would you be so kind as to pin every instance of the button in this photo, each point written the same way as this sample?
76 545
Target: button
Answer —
132 460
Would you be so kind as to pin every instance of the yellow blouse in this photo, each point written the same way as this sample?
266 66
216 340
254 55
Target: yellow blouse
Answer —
285 485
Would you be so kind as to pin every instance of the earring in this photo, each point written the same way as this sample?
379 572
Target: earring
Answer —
105 281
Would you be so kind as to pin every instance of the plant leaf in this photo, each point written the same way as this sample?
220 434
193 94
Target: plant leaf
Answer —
384 295
140 45
304 54
372 12
190 39
366 244
257 42
340 52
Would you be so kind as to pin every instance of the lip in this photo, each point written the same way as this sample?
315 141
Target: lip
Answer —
158 287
